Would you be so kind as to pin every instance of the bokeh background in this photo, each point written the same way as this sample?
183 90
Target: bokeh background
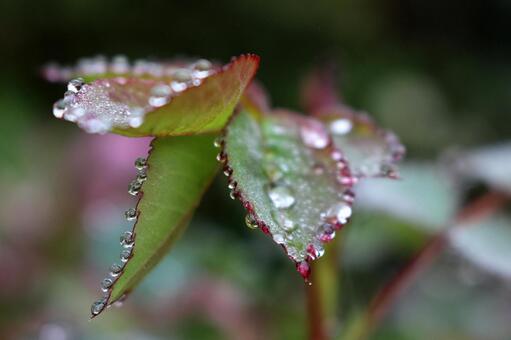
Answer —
438 73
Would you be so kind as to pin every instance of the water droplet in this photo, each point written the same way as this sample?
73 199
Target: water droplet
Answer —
203 65
250 221
340 212
158 101
74 114
327 233
279 238
178 86
341 126
106 283
315 251
348 196
140 163
233 194
281 197
221 157
131 214
75 85
219 141
182 75
142 176
59 108
228 171
282 220
304 269
232 185
116 269
127 239
314 135
134 187
95 126
120 64
135 122
98 306
126 254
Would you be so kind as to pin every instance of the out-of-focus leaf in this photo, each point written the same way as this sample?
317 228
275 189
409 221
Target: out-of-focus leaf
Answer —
486 243
370 150
423 196
491 164
179 169
294 184
157 99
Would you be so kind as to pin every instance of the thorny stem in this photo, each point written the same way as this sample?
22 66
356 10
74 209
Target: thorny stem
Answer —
480 208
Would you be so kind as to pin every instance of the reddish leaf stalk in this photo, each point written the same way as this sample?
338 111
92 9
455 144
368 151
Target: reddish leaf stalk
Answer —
480 208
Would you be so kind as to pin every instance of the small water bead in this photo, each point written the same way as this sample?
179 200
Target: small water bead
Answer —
233 194
130 214
218 142
134 187
203 65
95 126
75 85
126 254
182 75
341 126
98 306
314 135
221 157
340 211
178 86
281 197
232 185
120 64
74 114
228 171
279 238
140 163
116 269
315 251
59 108
127 239
106 283
304 269
250 221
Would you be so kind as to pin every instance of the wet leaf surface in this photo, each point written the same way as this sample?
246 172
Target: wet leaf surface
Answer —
179 170
294 184
154 99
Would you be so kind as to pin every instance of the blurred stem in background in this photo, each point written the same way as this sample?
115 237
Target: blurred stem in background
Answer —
361 325
323 294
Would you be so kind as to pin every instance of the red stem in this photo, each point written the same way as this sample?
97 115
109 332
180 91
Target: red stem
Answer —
315 311
482 207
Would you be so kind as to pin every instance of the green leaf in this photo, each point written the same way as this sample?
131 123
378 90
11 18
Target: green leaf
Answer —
294 184
179 169
158 99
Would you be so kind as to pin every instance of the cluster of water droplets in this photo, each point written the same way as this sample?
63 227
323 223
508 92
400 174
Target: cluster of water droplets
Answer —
126 93
127 241
372 151
290 169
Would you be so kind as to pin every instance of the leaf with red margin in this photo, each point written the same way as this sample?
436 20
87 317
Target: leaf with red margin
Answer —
179 170
293 182
371 150
159 100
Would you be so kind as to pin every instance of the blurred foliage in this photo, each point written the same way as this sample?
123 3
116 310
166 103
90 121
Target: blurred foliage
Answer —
435 72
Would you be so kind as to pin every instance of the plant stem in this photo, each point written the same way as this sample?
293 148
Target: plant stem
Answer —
480 208
322 295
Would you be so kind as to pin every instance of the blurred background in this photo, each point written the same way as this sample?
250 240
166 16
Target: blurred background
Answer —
438 73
